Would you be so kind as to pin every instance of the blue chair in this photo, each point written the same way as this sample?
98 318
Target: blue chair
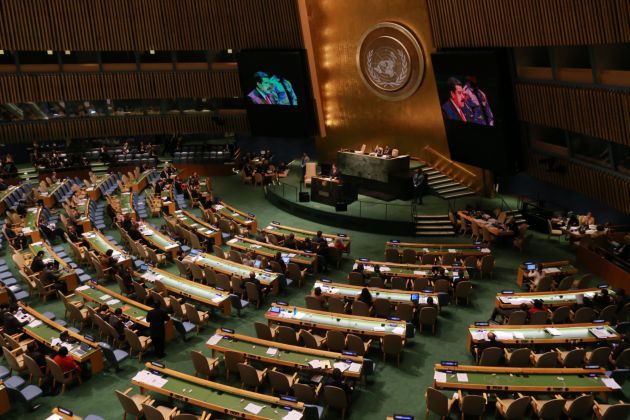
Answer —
26 395
183 327
113 356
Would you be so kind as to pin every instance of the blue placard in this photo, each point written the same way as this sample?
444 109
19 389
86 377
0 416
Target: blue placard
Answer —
449 363
158 364
288 398
251 214
402 417
348 353
393 318
281 303
507 292
394 241
273 222
364 259
482 324
326 281
342 235
602 286
228 330
599 321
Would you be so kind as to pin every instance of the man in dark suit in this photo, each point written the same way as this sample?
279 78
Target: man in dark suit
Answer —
453 108
157 319
37 264
289 242
418 180
115 320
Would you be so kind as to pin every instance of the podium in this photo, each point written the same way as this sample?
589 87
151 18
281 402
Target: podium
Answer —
332 191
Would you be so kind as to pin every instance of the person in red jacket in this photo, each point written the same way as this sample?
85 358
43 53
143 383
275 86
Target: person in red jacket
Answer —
66 362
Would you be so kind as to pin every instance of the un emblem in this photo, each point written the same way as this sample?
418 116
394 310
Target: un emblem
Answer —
390 61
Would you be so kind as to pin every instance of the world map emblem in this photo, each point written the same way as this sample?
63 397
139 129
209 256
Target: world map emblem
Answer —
390 61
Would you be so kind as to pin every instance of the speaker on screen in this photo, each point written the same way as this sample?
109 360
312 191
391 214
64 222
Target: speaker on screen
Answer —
276 88
475 90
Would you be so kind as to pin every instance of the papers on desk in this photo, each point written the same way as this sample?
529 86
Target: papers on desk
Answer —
553 331
233 240
551 270
355 367
272 351
299 315
420 272
479 335
80 288
485 250
235 214
255 246
293 415
439 376
452 251
319 364
172 246
385 269
212 341
105 297
26 230
379 329
502 335
218 206
341 366
54 417
601 332
462 377
270 227
611 383
519 335
35 323
398 330
149 378
149 276
112 302
218 299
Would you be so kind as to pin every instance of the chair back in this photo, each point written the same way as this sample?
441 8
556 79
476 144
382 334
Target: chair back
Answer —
473 405
422 283
616 411
200 363
574 358
129 405
547 360
223 281
599 356
517 409
252 292
623 360
376 282
470 262
584 281
140 292
428 259
211 276
517 318
355 344
539 318
192 314
279 382
178 311
565 283
232 359
294 273
551 409
276 267
437 402
336 305
263 331
56 371
305 393
286 335
33 368
442 286
217 249
235 256
156 297
449 259
409 256
520 358
405 311
392 344
487 263
181 267
152 413
12 360
382 308
392 255
560 315
579 406
399 283
544 284
249 375
308 339
356 279
360 308
197 273
335 341
491 356
133 340
463 289
608 314
313 303
428 315
335 397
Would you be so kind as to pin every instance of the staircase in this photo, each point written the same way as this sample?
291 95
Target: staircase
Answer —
29 174
443 186
518 217
99 168
433 225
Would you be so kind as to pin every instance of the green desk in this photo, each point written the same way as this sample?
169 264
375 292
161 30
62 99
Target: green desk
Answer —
31 223
280 354
538 380
556 269
527 335
407 270
158 240
239 217
555 299
301 258
232 269
45 331
192 223
126 204
350 292
190 289
69 276
100 244
460 250
224 399
131 309
322 320
142 181
282 232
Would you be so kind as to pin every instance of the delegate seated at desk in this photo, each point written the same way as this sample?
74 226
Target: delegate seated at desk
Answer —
335 173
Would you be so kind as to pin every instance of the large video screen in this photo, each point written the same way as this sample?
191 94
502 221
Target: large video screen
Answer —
277 92
477 102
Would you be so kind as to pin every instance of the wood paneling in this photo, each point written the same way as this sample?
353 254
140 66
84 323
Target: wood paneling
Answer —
510 23
602 113
27 132
140 25
98 86
598 184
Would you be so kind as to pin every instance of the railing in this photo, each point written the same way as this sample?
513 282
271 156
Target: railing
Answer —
452 169
378 210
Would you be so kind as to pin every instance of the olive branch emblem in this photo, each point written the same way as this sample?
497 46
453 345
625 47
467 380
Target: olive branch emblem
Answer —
401 77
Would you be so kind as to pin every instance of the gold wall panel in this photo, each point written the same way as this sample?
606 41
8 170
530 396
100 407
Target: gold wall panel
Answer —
353 114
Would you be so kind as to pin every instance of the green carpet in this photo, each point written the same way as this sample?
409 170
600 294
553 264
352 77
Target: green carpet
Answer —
390 390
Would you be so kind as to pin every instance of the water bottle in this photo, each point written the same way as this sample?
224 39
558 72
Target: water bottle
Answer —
294 311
